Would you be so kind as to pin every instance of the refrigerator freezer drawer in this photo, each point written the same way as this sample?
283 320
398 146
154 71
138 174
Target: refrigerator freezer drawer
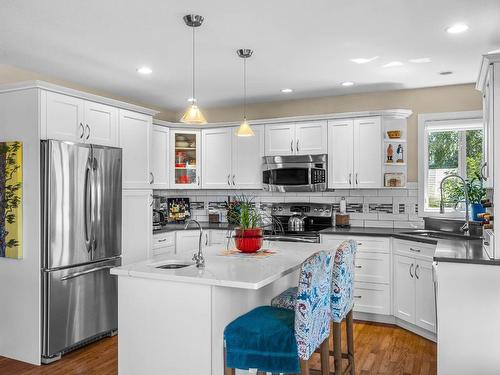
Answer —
79 303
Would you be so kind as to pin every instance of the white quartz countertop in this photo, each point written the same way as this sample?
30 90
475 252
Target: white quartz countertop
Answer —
246 272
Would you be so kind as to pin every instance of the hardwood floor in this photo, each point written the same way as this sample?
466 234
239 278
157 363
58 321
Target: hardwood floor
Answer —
379 349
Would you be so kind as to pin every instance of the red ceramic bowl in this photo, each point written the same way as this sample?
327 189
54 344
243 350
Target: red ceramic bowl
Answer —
249 240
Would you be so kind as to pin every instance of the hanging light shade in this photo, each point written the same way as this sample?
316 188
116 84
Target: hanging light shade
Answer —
245 130
193 114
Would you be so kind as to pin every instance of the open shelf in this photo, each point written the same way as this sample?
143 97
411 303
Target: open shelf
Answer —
394 140
395 164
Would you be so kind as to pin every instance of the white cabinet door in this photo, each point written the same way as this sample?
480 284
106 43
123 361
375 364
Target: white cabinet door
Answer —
280 139
64 117
425 315
159 157
218 237
185 159
247 160
137 225
488 129
372 298
186 241
340 154
367 153
216 158
135 140
404 271
311 138
101 124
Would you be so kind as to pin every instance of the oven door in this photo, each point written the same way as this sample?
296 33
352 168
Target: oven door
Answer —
293 179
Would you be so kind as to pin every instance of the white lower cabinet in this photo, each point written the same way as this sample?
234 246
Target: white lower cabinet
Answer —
372 298
137 225
163 243
414 300
218 237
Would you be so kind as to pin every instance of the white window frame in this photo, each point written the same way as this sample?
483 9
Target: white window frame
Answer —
424 120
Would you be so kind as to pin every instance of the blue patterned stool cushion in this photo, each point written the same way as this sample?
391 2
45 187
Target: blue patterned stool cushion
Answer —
342 299
287 299
343 280
264 339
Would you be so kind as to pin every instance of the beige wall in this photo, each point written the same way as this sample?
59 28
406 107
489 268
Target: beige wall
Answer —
11 74
426 100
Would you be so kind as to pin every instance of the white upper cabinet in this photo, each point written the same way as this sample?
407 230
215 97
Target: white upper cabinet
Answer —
247 159
340 155
280 139
368 153
310 138
488 127
63 117
160 157
232 162
302 138
101 124
185 159
355 153
216 158
135 140
67 118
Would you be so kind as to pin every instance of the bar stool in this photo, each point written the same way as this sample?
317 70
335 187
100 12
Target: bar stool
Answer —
277 340
342 303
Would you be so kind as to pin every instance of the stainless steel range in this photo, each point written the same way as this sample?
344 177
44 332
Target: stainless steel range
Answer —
299 222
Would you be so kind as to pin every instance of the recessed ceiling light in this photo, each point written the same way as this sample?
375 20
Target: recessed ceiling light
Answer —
363 60
446 73
420 60
457 28
144 70
392 64
348 83
286 91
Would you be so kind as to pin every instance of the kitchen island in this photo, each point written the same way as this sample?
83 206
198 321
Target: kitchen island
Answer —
171 321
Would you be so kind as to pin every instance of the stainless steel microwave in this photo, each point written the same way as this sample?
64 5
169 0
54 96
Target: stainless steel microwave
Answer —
295 173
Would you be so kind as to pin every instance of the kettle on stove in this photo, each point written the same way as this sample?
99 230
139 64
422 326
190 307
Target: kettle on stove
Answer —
296 222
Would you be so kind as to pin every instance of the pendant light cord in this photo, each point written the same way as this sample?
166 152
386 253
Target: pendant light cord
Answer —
194 58
244 88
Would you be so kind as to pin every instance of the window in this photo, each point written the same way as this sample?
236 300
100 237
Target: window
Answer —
449 143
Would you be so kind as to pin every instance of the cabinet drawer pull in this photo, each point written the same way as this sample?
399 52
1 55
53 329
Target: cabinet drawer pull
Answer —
297 145
151 178
360 243
162 240
416 274
291 146
350 180
359 266
228 177
414 250
358 297
234 176
88 128
411 269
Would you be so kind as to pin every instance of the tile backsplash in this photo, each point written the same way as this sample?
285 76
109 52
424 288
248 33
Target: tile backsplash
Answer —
393 208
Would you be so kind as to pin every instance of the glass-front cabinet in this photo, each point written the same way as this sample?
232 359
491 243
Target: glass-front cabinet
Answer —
185 159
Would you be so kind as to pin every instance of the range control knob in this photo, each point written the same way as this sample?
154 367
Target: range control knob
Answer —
280 208
320 210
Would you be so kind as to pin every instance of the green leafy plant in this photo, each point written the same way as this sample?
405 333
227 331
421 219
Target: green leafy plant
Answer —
475 190
242 212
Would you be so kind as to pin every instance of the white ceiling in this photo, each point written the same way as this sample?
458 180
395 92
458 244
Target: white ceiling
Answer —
305 45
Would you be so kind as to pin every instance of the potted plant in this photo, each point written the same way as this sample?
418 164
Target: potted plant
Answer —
248 236
475 191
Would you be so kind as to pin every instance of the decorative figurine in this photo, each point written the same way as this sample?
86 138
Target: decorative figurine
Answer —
399 153
390 153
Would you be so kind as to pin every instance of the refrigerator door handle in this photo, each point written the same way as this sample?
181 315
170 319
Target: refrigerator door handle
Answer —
82 273
95 203
87 204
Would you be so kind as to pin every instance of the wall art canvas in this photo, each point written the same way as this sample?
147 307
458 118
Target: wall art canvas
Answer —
11 200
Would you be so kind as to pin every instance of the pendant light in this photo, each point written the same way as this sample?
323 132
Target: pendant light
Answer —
245 129
193 114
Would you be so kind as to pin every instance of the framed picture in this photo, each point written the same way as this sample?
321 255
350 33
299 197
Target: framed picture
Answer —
394 180
11 200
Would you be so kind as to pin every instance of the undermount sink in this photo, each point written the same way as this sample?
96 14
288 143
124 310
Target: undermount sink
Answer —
174 265
441 235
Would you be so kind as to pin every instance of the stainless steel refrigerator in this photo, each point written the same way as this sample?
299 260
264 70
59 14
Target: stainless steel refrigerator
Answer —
81 242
